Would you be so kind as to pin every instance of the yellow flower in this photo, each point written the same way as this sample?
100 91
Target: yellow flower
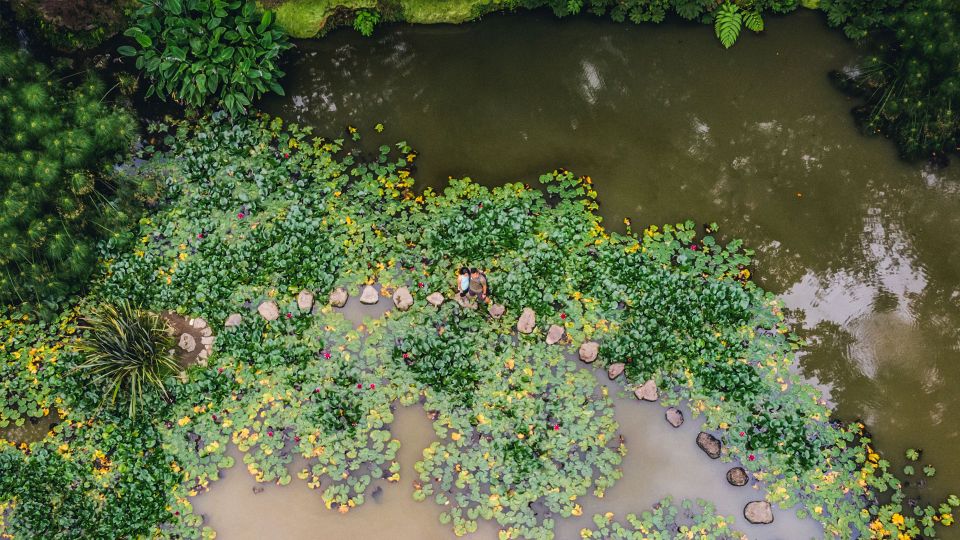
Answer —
183 421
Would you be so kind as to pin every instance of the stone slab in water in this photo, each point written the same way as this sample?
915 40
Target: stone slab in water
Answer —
674 417
737 476
269 310
305 300
527 321
615 370
758 512
435 299
233 320
554 334
647 391
369 295
402 299
496 310
198 323
588 351
709 444
338 297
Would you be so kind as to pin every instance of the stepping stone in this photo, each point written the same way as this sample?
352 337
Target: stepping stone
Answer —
435 299
198 323
527 321
204 354
709 444
615 370
233 320
496 310
269 310
588 351
206 331
465 302
369 295
339 296
674 417
554 334
305 300
187 342
737 476
758 512
647 391
402 299
207 340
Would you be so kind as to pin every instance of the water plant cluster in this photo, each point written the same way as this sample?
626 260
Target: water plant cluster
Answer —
254 211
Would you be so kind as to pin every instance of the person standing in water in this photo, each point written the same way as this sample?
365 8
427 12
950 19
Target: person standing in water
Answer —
463 282
478 285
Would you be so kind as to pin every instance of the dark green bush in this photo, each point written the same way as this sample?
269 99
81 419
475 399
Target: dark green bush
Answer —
196 52
59 197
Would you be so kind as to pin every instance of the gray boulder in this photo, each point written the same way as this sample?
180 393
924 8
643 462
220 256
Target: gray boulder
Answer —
527 321
233 320
305 300
758 512
737 476
615 370
709 444
187 342
338 297
588 351
269 310
674 417
402 299
496 310
435 299
554 334
647 391
369 295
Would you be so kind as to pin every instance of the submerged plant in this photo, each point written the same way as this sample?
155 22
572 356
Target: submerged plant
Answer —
128 349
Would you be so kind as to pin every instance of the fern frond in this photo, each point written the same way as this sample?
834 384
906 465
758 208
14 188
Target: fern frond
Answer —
753 21
727 24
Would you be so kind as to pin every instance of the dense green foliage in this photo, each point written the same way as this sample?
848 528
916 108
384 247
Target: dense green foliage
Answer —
911 83
253 212
59 194
72 24
129 350
220 52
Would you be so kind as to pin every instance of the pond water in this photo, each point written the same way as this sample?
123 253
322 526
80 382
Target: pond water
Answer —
671 126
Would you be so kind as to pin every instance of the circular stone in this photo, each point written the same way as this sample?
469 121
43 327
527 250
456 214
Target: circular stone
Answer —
737 476
674 416
709 444
758 512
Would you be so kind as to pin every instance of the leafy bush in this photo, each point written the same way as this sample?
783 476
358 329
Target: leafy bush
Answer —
129 349
911 82
207 51
59 196
365 21
73 24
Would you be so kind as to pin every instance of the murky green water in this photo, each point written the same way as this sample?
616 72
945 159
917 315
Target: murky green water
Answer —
670 126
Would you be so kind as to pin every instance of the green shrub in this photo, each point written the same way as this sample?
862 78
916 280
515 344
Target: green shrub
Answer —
207 51
911 82
366 21
129 349
59 197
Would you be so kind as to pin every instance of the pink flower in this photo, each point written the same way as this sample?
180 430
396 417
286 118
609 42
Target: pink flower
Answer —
316 390
372 386
239 215
219 370
752 457
296 438
326 354
742 434
289 315
359 386
563 316
199 236
556 427
286 155
420 284
270 433
406 355
693 247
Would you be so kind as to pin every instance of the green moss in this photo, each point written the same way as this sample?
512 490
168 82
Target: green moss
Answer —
306 18
449 11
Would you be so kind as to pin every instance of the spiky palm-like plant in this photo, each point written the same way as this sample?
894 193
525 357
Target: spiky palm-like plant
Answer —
129 349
